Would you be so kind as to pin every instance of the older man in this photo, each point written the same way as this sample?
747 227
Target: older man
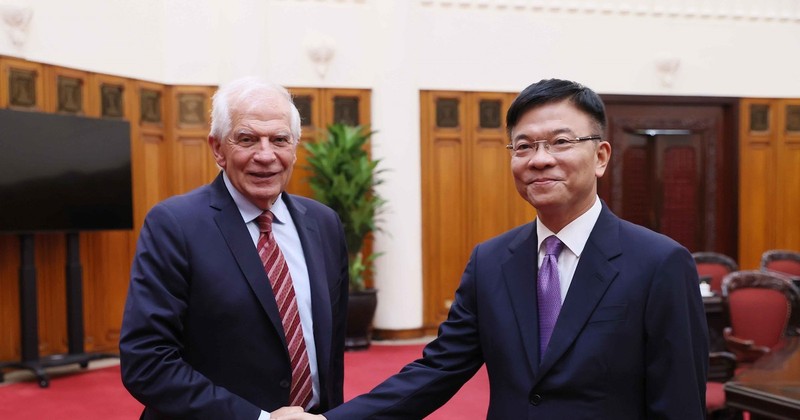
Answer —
238 290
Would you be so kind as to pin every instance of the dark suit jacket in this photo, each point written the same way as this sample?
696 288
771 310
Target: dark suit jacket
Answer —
201 336
630 341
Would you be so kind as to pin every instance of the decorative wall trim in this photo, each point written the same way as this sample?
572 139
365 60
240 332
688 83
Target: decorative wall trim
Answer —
320 49
326 1
762 10
667 67
16 20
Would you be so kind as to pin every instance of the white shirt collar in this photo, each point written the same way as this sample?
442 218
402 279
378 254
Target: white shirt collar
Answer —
576 233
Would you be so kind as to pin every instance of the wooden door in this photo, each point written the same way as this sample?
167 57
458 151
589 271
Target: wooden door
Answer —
671 171
661 187
468 194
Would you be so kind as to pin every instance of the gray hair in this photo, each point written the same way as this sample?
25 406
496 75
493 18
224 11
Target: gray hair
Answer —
244 89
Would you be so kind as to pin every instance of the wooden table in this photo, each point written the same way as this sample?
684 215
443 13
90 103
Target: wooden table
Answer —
770 389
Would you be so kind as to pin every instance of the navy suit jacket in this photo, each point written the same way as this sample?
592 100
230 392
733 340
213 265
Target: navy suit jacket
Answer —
201 335
630 341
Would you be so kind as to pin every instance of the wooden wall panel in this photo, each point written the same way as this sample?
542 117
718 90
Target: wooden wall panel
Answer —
106 259
190 113
349 106
468 193
444 189
788 175
318 109
66 90
769 168
192 159
309 103
756 185
51 260
495 205
151 147
22 84
106 255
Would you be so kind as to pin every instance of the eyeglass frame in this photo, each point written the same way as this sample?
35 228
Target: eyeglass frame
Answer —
547 145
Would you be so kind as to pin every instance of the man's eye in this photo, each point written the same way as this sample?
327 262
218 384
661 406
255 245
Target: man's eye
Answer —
522 146
247 140
280 140
560 141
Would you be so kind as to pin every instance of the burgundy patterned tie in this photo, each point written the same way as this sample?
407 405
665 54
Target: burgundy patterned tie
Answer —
548 291
282 288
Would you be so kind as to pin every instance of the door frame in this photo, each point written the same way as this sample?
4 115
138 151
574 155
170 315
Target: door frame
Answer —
727 160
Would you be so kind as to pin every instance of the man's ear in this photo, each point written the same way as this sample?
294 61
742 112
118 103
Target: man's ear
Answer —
603 156
216 149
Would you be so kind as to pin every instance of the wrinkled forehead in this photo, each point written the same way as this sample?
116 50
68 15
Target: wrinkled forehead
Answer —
273 109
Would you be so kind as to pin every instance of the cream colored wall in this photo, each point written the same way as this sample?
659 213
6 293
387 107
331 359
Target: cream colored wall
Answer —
398 47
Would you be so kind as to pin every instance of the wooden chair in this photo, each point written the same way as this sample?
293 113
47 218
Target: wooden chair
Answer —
714 265
782 261
763 308
721 368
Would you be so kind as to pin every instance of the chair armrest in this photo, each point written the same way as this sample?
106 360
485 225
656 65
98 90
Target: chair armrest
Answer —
745 350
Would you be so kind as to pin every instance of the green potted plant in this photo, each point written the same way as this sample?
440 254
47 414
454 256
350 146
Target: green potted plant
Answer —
343 177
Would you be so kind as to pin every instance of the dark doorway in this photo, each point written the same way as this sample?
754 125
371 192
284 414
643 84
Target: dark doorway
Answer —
673 168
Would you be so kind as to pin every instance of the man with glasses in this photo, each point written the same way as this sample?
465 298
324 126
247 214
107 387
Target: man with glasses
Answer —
238 293
577 315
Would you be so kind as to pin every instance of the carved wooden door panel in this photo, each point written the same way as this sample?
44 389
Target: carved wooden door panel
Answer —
670 171
662 187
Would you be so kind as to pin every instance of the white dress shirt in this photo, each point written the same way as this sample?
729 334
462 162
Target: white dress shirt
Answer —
574 236
288 240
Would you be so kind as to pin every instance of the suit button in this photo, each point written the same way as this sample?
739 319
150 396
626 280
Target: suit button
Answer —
536 399
285 384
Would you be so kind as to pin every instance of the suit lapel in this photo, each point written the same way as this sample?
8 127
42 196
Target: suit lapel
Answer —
519 273
233 229
592 277
309 233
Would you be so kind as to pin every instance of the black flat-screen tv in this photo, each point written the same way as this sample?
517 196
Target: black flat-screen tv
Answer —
64 173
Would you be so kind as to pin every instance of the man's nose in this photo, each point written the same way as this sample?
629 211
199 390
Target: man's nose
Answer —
264 149
540 156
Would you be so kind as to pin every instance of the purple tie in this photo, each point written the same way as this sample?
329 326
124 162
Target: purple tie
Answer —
548 291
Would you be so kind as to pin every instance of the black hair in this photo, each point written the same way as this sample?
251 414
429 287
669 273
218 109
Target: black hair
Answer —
556 90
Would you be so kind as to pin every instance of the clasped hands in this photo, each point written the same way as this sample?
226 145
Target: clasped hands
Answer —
294 413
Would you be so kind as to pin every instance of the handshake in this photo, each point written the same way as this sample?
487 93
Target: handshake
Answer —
294 413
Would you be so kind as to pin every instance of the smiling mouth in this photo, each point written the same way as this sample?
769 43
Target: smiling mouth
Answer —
542 181
263 175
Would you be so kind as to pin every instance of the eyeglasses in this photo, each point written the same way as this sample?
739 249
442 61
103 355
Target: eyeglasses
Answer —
560 144
247 141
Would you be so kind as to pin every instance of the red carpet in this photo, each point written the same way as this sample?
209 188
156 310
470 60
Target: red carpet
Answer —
363 370
99 394
96 394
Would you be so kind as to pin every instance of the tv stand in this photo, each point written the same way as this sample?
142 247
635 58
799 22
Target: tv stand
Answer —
28 311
